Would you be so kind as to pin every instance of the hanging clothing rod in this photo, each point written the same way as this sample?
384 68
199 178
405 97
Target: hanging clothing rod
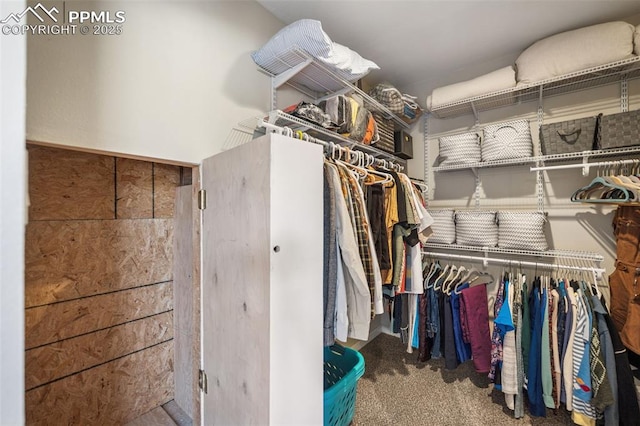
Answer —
585 166
329 146
509 262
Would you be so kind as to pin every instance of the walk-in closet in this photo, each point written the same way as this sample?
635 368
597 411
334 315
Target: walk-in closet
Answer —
276 212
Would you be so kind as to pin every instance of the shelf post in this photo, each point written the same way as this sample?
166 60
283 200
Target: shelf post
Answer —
539 173
624 95
427 161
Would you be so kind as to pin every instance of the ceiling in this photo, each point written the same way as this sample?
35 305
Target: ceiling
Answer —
420 45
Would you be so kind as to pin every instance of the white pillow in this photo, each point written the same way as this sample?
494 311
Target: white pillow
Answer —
501 79
575 50
308 35
346 59
305 33
636 41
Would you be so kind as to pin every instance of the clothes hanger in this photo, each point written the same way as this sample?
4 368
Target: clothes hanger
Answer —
600 186
453 271
431 274
454 281
437 284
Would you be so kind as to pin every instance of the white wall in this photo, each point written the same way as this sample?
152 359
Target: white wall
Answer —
171 86
12 221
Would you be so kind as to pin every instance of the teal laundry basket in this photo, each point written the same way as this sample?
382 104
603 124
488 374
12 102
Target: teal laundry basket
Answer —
342 369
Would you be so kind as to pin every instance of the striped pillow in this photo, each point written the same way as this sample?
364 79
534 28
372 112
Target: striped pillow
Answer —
308 35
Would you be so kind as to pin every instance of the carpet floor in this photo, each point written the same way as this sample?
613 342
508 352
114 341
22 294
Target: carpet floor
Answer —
397 390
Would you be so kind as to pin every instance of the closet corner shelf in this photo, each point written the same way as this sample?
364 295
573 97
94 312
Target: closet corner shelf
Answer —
560 254
584 155
309 76
283 119
580 80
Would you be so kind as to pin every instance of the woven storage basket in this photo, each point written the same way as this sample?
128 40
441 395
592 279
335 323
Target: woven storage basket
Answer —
504 141
619 130
522 230
385 129
476 228
443 227
568 136
460 149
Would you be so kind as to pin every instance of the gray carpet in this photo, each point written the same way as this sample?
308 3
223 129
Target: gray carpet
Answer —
396 390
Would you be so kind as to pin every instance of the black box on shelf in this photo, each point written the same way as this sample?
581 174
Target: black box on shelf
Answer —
404 145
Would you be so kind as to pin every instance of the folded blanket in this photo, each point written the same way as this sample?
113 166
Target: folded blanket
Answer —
575 50
503 78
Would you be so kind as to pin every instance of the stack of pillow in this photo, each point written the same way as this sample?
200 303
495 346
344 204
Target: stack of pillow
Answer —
551 57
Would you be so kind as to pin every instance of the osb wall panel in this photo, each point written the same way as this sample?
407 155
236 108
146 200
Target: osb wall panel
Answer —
165 180
134 189
113 393
61 359
71 259
67 184
155 417
51 323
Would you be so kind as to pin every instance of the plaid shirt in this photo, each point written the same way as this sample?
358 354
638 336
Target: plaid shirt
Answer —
361 221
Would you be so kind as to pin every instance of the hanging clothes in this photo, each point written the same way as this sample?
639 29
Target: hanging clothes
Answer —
625 280
628 410
567 363
611 414
330 258
505 322
356 285
463 349
583 412
474 316
496 338
534 389
545 355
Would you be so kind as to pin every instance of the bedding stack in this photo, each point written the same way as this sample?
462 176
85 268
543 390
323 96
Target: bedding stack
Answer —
555 56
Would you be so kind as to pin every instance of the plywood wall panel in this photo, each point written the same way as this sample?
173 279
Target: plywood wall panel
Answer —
134 189
61 359
155 417
113 393
67 184
71 259
165 180
51 323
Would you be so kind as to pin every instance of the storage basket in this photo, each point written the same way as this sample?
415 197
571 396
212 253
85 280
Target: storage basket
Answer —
505 141
459 149
342 369
522 230
443 227
476 228
619 130
568 136
385 129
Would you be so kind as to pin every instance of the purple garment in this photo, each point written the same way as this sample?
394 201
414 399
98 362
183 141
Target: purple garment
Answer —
474 316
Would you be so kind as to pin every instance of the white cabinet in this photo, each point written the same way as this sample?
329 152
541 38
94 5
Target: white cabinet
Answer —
262 284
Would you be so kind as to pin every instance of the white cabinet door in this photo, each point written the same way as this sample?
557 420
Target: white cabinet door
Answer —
262 284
